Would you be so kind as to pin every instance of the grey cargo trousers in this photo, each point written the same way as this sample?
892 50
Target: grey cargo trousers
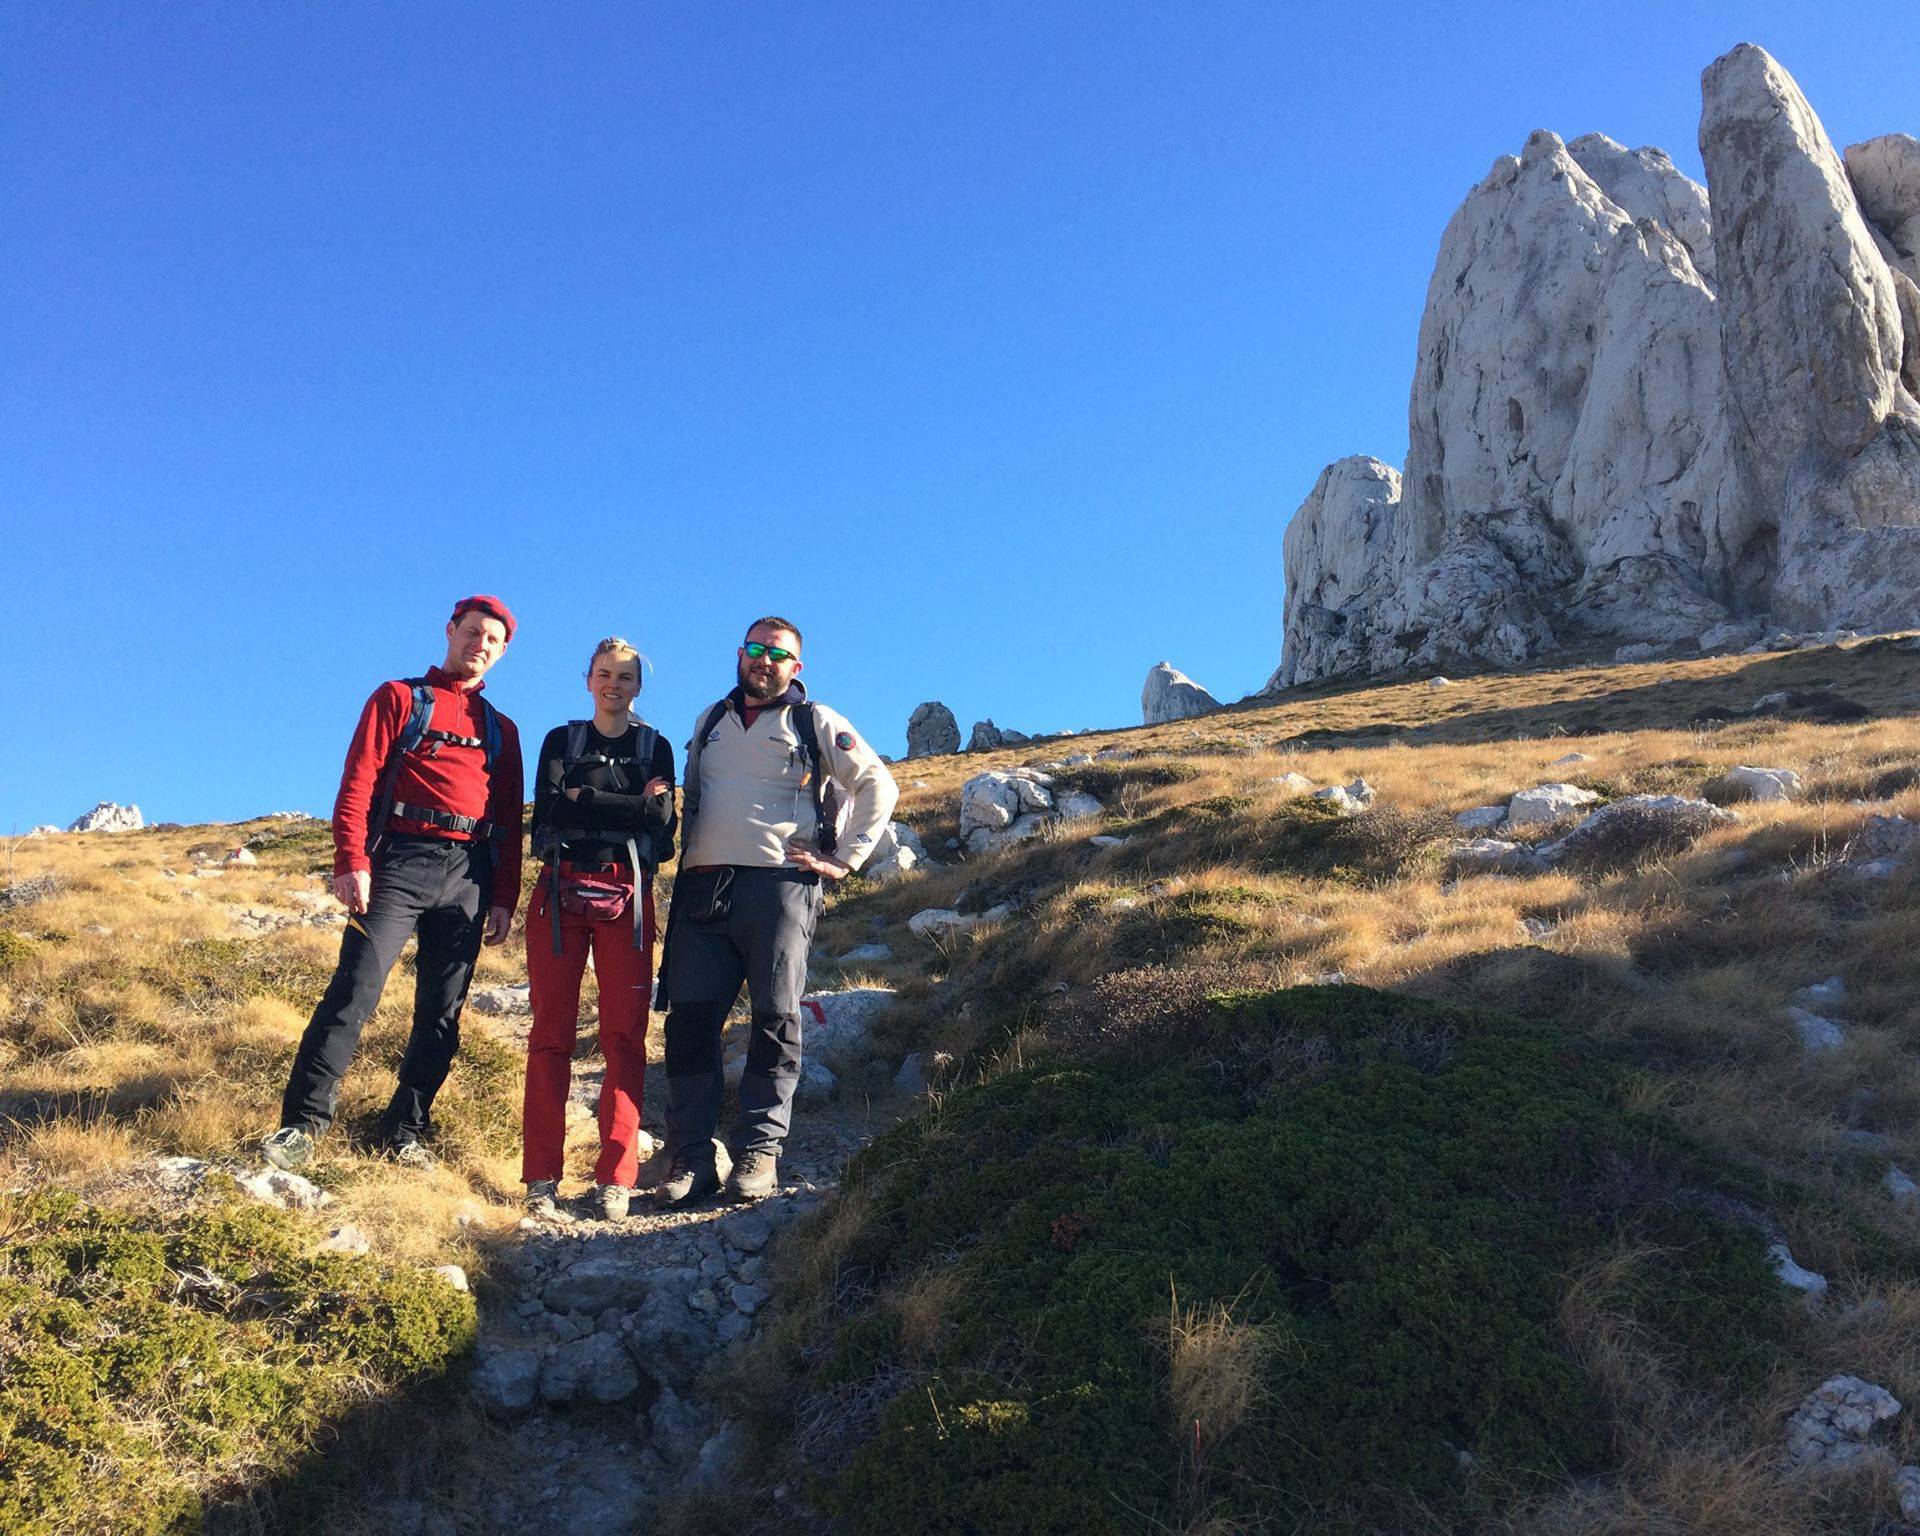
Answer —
762 940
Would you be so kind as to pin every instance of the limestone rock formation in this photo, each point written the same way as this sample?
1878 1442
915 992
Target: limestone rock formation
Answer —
1641 414
932 731
1169 694
109 817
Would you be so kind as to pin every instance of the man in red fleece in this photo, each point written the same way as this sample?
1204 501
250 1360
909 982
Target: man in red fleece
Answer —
426 840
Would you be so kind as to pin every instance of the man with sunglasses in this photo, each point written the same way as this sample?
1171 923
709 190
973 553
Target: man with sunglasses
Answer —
781 795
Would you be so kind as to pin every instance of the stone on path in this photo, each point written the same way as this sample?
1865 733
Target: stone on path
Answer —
1830 1429
508 999
507 1381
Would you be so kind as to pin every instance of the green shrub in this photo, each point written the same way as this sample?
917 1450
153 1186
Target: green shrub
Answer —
14 948
145 1356
1400 1190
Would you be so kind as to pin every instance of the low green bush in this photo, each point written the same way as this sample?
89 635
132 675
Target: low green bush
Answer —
1396 1191
152 1363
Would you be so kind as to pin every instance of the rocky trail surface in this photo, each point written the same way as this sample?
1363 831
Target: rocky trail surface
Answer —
595 1333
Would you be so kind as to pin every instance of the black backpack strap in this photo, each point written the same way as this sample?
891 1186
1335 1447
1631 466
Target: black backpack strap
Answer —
825 797
690 786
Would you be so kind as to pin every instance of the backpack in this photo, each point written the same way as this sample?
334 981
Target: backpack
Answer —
414 735
826 794
591 897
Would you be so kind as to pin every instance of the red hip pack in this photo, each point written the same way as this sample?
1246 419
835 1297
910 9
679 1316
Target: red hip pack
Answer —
599 892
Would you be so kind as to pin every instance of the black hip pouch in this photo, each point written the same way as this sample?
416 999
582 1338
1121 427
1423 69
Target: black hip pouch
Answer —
707 894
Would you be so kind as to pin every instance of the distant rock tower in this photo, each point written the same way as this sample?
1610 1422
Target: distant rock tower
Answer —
1170 694
932 731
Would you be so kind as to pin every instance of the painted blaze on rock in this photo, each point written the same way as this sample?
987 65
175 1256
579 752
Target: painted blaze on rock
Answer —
1395 1192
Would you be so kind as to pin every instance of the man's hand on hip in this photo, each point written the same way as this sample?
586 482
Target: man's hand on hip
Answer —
499 920
354 889
809 857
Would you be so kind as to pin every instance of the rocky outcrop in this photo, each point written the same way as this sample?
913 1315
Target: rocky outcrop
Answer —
932 731
987 736
109 817
1640 415
1169 694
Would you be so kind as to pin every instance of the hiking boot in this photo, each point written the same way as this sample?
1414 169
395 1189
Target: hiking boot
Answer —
543 1196
289 1149
410 1152
691 1178
755 1176
612 1201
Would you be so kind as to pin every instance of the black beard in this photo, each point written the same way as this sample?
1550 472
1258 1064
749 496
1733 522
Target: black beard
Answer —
760 692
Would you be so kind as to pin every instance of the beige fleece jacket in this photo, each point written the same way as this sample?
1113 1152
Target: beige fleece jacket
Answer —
747 790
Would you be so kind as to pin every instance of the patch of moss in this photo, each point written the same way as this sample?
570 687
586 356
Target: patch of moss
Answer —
1398 1188
146 1358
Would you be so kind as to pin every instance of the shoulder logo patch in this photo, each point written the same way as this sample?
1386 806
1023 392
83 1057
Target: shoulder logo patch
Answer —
844 741
713 735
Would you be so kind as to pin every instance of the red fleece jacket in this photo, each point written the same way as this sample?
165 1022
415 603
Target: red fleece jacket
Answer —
451 779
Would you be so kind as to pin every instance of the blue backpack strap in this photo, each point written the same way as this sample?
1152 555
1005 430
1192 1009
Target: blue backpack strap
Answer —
411 733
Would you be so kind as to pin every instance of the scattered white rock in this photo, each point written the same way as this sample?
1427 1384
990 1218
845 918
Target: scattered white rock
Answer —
867 954
1572 759
454 1275
1901 1188
1813 1287
1439 682
1831 1427
507 1381
940 923
287 1191
932 731
241 856
1816 1034
912 1076
1644 650
1493 856
1169 694
1638 822
837 1027
109 817
1734 635
987 736
897 853
1347 799
347 1239
1823 993
1762 783
817 1084
1106 840
1482 818
1906 1488
1076 805
513 998
1294 783
1547 804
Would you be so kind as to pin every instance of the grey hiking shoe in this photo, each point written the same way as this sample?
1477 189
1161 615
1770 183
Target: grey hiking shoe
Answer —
289 1149
410 1152
612 1201
755 1176
543 1196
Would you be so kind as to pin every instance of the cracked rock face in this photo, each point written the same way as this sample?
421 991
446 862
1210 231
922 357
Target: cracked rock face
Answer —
1640 413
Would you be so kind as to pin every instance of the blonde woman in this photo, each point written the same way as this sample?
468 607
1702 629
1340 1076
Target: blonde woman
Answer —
602 822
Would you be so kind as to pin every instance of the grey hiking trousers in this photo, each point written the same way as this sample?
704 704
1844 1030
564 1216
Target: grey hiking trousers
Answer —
763 940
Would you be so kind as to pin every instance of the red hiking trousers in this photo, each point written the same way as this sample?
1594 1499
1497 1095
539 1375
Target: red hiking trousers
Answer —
625 974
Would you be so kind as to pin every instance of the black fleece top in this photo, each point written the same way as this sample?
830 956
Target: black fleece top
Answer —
610 808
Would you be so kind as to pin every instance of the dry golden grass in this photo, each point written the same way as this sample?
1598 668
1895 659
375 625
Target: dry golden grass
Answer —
150 1036
1218 1367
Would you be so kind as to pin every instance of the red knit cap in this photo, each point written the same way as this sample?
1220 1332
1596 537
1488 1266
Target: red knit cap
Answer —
487 604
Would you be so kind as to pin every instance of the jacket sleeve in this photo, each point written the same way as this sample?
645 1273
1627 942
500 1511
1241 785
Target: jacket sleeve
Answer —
506 809
380 721
606 810
550 807
865 784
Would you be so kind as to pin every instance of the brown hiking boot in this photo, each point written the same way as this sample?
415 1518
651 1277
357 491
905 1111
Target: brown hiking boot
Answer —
692 1177
755 1176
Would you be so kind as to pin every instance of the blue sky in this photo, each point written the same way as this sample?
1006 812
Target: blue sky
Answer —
995 343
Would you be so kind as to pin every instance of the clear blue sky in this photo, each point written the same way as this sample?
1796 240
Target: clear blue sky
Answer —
993 342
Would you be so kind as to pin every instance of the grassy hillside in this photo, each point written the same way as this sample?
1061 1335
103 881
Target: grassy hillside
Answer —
1468 1234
